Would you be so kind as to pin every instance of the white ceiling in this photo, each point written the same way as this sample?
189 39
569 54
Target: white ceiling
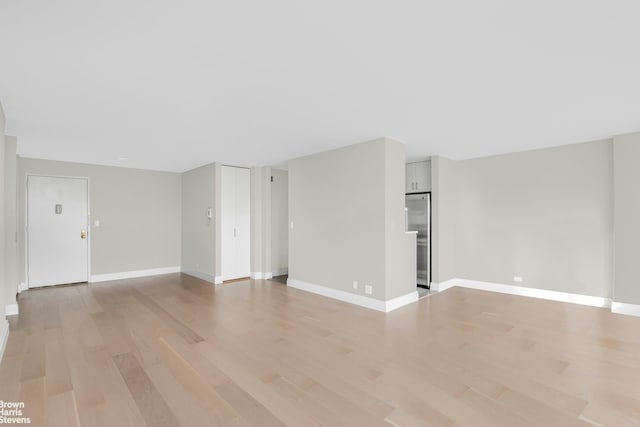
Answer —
175 84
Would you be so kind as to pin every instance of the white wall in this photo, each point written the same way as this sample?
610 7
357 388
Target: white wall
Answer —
444 210
626 149
10 216
400 248
198 232
279 219
343 219
3 282
545 215
139 210
260 221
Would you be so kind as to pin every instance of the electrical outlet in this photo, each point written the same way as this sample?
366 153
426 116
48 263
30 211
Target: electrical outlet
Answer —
518 279
368 289
355 284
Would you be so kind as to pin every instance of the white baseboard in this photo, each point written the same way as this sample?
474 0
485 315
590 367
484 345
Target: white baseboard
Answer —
22 287
368 302
401 301
442 286
279 272
527 292
11 310
203 276
133 274
218 280
624 308
4 336
261 276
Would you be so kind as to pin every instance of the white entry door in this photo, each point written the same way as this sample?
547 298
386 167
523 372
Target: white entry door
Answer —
236 222
57 219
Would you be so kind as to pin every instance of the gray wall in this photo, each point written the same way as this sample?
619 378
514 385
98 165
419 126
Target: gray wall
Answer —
444 199
139 211
545 215
279 216
400 247
260 233
626 155
10 217
218 215
3 283
338 204
198 232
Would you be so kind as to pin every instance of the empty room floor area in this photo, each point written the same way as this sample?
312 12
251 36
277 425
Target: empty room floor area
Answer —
175 350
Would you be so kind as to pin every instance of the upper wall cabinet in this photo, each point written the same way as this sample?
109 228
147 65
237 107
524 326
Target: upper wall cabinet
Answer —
418 178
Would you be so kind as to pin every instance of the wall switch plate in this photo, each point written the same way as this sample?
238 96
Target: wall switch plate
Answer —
368 289
355 284
518 279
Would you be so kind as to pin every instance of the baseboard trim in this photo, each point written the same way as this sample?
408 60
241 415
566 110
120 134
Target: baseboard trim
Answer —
527 292
362 301
202 276
22 287
133 274
11 310
624 308
218 280
4 337
261 276
442 286
401 301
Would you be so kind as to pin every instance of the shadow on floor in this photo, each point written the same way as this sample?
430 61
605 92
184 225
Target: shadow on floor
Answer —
281 279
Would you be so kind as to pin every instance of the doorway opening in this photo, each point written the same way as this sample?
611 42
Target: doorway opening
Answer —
419 219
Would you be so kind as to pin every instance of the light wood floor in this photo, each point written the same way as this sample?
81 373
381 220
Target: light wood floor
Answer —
174 350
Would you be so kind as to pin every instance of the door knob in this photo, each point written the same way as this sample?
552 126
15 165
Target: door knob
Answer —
83 234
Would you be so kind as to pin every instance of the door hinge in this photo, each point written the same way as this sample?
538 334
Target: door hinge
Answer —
271 178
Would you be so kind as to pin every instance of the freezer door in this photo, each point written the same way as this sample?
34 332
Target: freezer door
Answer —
417 213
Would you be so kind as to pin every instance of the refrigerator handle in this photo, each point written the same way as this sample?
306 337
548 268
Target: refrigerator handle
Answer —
406 219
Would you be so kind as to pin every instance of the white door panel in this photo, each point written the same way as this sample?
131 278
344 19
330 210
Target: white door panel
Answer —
235 225
409 178
227 225
422 176
243 222
57 253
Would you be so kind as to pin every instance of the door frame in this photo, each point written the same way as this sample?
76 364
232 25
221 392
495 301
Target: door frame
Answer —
26 221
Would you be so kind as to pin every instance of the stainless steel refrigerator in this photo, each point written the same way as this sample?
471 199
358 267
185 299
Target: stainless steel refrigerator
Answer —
419 219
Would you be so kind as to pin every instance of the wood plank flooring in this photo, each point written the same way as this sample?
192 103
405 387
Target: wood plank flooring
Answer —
174 350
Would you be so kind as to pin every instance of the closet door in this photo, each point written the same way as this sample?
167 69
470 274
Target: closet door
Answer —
228 222
243 222
236 220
